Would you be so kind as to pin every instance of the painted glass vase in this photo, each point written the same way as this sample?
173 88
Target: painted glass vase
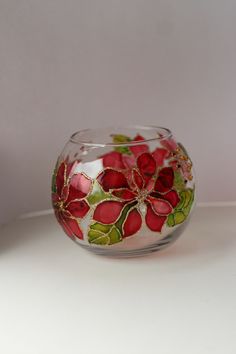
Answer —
123 191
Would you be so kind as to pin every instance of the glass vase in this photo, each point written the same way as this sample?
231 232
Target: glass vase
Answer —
123 191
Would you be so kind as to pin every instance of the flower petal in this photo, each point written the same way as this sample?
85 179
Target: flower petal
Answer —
55 198
78 209
124 193
165 180
132 223
137 179
64 192
172 197
154 222
128 160
170 144
146 165
79 186
112 179
113 159
71 227
60 178
70 168
108 212
160 155
160 206
139 149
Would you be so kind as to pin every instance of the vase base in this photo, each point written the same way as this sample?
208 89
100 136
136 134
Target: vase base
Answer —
124 253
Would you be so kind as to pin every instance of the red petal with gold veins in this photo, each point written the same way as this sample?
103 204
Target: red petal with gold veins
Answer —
132 223
124 194
139 149
79 186
113 159
108 212
172 198
160 155
165 180
72 228
60 178
138 179
112 179
146 165
160 206
78 209
154 222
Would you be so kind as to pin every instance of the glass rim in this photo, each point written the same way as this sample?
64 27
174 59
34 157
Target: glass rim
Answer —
77 139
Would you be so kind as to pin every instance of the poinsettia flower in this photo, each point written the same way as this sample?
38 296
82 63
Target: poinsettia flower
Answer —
68 200
146 184
122 160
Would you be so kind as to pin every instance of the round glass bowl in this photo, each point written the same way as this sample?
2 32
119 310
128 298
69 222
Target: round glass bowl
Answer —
123 191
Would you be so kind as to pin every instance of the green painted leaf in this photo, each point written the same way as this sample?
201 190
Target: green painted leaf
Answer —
100 227
171 220
119 138
54 188
93 235
124 213
97 194
179 181
100 234
114 236
183 208
101 240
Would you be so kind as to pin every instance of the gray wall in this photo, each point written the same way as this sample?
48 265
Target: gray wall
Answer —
67 65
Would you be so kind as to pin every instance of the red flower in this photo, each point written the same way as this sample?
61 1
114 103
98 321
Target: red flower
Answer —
68 201
143 184
120 160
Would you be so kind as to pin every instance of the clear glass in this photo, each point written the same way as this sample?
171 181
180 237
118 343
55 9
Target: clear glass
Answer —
123 191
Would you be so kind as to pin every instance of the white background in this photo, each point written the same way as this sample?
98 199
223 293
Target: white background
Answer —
67 65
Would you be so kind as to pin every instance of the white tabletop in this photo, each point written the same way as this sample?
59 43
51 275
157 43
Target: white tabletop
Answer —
57 298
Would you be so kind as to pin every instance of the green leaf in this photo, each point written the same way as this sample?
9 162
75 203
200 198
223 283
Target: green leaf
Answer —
183 208
97 194
124 213
114 236
101 234
54 188
93 235
100 227
118 139
179 181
